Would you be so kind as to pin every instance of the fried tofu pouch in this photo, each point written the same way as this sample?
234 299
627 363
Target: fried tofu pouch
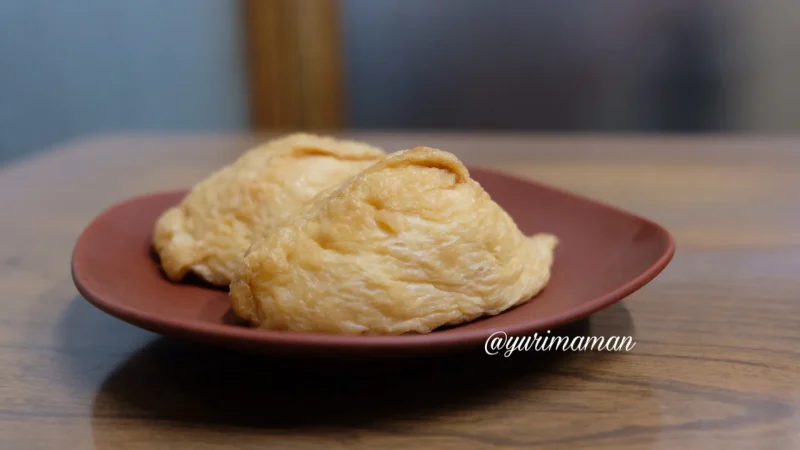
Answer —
409 245
209 231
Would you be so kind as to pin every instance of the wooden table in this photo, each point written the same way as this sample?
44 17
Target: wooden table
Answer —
716 364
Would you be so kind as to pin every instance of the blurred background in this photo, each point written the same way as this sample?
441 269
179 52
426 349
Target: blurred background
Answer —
71 68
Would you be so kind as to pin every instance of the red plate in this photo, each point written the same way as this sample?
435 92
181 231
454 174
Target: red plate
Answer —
604 254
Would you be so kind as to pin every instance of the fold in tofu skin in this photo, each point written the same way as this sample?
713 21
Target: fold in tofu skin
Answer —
408 245
209 231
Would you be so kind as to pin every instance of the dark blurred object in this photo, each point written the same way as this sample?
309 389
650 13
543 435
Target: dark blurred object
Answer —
534 65
687 86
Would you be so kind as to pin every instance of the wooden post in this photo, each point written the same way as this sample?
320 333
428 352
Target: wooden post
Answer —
295 64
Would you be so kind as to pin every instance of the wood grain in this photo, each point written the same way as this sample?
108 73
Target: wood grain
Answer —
295 64
716 364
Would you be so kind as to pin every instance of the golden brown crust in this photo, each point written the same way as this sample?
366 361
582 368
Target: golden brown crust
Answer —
410 244
210 230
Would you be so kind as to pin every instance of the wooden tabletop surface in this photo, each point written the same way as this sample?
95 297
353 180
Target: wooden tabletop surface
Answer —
716 362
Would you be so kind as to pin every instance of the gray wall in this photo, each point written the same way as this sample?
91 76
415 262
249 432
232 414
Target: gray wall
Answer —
73 67
504 64
619 65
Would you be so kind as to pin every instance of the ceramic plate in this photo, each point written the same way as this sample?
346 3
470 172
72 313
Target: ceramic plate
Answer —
604 255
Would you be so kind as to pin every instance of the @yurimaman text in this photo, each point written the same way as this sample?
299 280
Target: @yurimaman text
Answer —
500 342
